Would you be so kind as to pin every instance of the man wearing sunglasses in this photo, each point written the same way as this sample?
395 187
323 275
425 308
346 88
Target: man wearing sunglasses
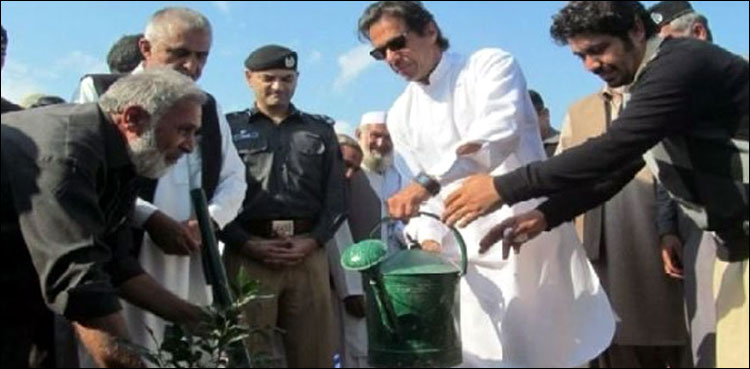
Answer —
465 115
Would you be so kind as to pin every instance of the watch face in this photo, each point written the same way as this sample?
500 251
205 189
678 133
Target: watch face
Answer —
431 185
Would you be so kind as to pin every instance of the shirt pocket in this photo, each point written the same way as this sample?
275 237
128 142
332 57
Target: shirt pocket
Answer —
308 143
256 154
306 161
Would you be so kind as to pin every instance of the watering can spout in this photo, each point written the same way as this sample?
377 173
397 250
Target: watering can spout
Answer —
366 257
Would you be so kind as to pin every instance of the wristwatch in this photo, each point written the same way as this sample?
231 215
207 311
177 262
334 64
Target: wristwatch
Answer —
430 184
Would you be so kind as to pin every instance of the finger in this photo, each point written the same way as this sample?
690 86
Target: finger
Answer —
409 210
674 274
456 216
391 207
507 243
468 218
452 198
396 211
190 245
492 237
521 238
451 209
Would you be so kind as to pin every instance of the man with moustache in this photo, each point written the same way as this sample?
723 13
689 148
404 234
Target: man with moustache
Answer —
686 115
295 202
377 164
480 106
180 39
68 187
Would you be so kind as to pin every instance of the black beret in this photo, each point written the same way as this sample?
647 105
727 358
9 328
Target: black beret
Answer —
666 11
271 57
536 99
5 36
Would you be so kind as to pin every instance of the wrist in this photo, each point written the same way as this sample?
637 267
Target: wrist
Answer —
431 185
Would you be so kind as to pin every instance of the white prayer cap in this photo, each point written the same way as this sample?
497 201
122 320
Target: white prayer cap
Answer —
373 117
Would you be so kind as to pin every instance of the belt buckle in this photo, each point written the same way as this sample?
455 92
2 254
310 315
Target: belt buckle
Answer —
282 228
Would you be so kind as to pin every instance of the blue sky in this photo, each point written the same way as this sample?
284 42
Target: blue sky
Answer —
52 44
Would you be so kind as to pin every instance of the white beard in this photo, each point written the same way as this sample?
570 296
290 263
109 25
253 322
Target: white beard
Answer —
145 155
375 161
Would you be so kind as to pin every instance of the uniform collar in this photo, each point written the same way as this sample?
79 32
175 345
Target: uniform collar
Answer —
255 112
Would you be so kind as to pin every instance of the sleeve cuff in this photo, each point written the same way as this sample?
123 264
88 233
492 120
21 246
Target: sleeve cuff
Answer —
509 187
553 220
233 235
94 301
143 210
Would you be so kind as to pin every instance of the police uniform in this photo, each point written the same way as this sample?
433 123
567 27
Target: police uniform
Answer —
295 180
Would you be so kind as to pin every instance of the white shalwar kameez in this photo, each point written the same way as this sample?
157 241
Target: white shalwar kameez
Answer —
543 307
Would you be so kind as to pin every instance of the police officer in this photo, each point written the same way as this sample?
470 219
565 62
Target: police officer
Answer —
295 201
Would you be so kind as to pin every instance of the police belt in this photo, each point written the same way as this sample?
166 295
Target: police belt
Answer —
279 227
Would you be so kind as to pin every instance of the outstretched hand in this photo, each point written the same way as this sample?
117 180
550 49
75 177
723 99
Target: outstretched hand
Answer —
514 232
476 196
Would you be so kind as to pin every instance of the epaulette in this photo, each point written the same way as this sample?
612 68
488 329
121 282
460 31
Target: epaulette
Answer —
322 118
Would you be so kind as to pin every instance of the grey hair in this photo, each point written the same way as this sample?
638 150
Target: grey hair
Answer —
684 24
346 140
156 90
163 22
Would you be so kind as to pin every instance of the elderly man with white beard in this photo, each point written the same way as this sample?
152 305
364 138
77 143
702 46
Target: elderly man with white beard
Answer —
68 188
377 164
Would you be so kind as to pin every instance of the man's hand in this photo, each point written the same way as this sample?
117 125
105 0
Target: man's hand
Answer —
431 246
671 249
100 336
514 232
280 253
148 294
302 247
406 203
266 251
172 237
476 197
355 306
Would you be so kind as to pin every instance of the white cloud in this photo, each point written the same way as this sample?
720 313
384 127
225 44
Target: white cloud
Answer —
352 64
222 6
20 79
81 63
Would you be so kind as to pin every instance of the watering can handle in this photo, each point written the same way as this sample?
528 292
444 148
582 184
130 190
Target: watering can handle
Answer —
456 235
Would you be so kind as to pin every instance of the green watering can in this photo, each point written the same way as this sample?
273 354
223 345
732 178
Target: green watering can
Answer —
412 297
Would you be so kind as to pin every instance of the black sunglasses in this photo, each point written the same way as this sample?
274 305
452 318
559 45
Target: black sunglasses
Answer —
395 44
